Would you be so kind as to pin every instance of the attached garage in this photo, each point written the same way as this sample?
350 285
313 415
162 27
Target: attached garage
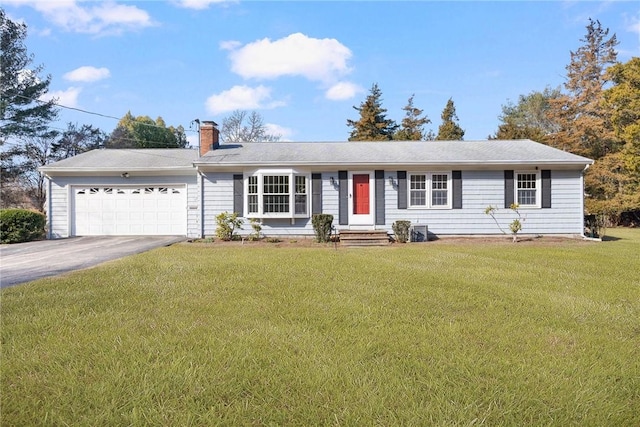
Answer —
125 210
124 192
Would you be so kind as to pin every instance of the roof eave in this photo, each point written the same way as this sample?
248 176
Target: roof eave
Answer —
119 169
398 163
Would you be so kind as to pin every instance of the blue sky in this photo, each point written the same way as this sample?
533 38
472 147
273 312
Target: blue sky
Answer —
303 65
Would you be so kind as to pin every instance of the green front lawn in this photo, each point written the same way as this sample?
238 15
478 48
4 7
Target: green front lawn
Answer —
439 333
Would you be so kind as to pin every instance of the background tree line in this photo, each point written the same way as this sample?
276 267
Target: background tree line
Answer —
596 113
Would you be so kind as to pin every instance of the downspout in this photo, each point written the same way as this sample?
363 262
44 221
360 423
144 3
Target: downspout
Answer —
201 175
582 198
49 208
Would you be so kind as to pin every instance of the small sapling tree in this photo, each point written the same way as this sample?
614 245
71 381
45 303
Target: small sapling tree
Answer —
515 226
257 229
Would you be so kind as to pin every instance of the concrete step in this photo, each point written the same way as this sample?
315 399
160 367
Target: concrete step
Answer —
363 238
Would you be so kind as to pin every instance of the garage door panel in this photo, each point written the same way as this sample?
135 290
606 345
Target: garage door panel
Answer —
151 210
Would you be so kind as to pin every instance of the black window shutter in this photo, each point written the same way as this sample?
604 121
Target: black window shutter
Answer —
238 194
316 193
402 189
380 220
343 201
457 189
546 188
508 189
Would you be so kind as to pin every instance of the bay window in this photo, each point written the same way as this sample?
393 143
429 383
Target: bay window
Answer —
277 194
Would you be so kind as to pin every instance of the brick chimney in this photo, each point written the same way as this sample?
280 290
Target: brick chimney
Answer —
209 137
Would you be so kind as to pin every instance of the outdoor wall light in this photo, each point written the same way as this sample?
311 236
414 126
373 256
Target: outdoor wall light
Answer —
125 175
391 181
332 181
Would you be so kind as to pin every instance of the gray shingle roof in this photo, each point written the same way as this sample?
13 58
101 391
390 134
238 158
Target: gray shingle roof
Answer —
493 152
126 159
338 154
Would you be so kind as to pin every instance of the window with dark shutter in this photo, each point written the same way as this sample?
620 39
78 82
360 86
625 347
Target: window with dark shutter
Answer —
380 218
508 189
546 189
238 196
343 201
316 193
457 189
402 189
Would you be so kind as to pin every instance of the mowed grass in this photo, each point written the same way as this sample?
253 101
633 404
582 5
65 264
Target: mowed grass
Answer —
442 333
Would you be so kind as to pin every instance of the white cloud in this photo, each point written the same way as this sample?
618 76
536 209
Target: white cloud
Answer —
633 24
93 18
230 44
322 60
200 4
68 98
241 98
343 90
283 132
87 74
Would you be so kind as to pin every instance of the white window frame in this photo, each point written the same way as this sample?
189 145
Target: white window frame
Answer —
537 189
291 174
429 190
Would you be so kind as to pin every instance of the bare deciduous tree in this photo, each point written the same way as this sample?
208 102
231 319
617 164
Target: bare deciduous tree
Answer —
243 126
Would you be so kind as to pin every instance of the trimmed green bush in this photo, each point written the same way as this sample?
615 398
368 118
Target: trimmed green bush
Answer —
21 225
322 227
401 230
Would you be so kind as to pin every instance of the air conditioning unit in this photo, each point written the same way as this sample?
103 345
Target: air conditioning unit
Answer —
418 233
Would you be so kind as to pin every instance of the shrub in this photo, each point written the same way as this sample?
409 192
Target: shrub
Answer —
257 229
21 225
401 230
227 225
322 227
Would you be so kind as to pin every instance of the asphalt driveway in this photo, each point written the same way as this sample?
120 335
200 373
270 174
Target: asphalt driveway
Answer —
24 262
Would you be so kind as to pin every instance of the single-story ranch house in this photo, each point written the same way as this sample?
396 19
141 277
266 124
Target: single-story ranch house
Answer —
445 185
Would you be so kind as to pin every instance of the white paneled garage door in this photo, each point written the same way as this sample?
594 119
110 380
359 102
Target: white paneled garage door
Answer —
117 211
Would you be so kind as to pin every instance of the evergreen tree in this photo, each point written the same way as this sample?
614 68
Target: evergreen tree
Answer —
580 114
21 112
373 124
23 116
528 119
412 126
449 130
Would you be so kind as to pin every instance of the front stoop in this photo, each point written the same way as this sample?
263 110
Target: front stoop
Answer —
357 238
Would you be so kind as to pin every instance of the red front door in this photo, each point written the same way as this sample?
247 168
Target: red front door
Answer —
361 194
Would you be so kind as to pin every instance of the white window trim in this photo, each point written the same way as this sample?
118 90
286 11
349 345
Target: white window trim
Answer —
291 173
538 202
429 199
